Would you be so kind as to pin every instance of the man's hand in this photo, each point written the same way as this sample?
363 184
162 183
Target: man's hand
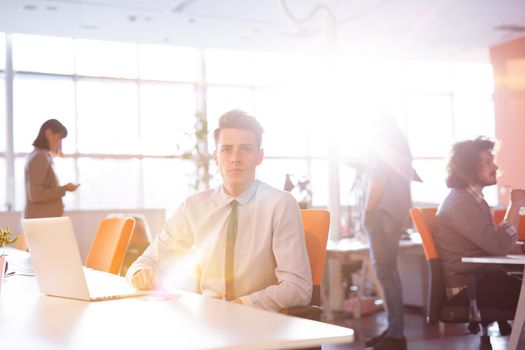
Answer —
517 196
512 216
145 280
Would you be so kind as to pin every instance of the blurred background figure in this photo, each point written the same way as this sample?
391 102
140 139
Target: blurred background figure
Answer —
43 191
386 217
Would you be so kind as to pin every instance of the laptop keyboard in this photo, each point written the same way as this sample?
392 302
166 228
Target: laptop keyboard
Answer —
105 285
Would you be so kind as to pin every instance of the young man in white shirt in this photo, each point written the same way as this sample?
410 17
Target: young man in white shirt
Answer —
242 241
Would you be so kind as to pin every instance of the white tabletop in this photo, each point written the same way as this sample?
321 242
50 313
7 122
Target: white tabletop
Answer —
508 259
29 320
519 318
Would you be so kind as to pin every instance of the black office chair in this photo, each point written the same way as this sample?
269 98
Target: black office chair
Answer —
438 308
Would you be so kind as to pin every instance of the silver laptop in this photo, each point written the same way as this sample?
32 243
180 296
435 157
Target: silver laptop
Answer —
58 266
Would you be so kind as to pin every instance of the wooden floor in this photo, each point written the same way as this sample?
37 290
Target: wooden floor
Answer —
418 334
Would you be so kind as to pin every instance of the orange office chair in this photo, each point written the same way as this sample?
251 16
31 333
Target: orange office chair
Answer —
316 224
20 243
111 242
499 214
140 239
437 308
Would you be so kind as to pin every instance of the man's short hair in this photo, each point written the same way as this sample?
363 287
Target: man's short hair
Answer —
464 161
238 119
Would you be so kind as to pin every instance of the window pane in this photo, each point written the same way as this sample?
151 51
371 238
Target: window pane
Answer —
107 117
490 194
429 124
319 183
358 127
3 179
229 67
221 99
108 183
473 78
47 54
20 191
169 63
353 187
2 51
286 130
65 170
473 116
273 171
167 182
167 118
3 141
37 99
351 184
273 69
433 188
428 77
106 59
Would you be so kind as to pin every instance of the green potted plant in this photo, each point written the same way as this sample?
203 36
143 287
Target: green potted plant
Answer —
6 237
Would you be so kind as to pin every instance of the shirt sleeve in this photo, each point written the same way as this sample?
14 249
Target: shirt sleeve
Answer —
174 242
39 169
468 219
294 277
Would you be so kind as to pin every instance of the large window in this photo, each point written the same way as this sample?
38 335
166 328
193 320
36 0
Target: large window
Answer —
2 51
108 117
3 130
106 59
167 118
43 54
37 98
130 110
169 63
3 179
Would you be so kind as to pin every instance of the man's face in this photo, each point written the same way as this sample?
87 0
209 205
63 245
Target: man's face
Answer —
487 170
237 156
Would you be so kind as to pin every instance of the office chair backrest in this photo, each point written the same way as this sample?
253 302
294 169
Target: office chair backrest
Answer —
499 214
140 239
424 219
316 225
20 242
110 244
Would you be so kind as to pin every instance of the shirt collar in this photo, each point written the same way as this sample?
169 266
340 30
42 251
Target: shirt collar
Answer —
243 198
479 196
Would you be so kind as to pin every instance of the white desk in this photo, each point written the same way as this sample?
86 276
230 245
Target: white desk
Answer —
519 318
29 320
348 250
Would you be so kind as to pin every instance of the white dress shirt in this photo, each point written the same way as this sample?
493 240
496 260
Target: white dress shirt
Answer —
271 266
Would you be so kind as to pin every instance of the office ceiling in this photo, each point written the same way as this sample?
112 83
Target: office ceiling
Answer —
428 29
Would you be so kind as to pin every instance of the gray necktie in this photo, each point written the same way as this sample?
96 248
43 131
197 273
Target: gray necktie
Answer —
230 247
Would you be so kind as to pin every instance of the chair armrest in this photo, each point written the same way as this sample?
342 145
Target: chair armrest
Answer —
312 312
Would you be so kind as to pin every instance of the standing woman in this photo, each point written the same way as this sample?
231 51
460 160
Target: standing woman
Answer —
43 192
